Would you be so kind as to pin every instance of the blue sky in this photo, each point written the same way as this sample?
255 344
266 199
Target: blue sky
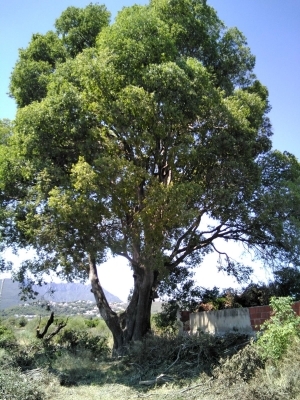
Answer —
272 28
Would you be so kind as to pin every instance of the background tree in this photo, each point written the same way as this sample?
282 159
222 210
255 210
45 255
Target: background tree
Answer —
6 128
151 145
287 282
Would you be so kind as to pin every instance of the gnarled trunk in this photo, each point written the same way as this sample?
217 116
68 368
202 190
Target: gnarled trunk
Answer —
134 322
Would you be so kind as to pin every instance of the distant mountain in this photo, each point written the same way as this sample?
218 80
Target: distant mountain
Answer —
58 292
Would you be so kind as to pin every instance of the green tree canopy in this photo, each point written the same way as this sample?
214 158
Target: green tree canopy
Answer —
76 29
133 141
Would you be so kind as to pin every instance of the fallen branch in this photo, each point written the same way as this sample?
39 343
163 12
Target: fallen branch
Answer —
194 387
180 348
160 379
163 377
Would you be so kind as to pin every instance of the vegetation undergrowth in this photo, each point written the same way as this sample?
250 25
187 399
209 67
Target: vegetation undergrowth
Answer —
78 363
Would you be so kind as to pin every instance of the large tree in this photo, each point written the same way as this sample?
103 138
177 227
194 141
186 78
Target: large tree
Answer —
131 142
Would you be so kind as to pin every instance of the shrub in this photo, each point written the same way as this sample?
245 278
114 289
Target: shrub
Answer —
92 323
22 321
166 321
182 356
278 332
7 338
15 386
11 322
76 323
73 339
277 381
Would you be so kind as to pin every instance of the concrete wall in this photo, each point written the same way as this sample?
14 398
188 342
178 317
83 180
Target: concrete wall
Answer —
239 320
223 321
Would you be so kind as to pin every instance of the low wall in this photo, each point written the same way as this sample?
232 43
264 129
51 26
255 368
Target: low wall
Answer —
238 320
223 321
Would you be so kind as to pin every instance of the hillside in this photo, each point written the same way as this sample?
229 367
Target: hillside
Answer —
56 292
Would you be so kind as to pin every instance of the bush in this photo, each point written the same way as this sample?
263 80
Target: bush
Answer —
278 332
182 356
92 323
15 386
73 339
7 338
277 381
77 323
166 321
22 321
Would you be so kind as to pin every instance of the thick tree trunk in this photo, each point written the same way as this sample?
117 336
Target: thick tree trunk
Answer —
134 322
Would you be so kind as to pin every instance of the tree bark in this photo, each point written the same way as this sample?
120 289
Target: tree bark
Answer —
134 323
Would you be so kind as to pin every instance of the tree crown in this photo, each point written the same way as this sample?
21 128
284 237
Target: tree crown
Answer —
129 136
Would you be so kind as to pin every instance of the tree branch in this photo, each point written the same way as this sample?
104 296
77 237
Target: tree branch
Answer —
50 321
191 229
227 233
219 252
40 335
125 255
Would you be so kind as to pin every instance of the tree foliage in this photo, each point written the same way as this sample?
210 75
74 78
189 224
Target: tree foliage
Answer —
130 137
76 30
